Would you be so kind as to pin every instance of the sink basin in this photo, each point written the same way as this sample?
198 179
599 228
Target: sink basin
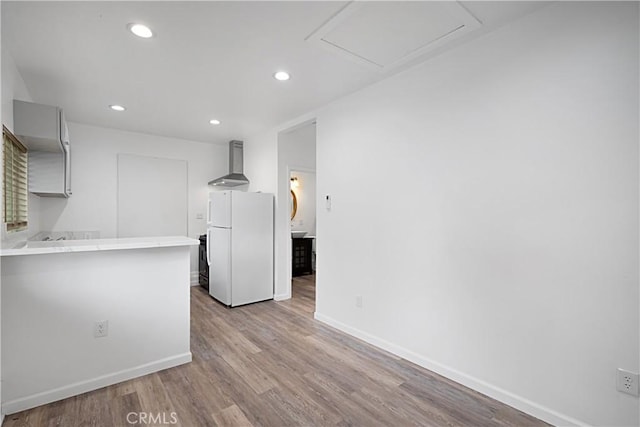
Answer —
298 234
34 244
38 244
20 245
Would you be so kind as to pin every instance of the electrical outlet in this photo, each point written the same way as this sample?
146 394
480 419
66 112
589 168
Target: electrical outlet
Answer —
359 301
101 328
627 382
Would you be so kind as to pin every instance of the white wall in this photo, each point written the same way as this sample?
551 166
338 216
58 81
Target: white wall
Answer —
49 350
13 87
296 151
261 162
152 196
505 256
267 174
93 205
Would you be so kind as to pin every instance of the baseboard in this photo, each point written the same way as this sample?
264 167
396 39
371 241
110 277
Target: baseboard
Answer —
195 278
282 297
504 396
49 396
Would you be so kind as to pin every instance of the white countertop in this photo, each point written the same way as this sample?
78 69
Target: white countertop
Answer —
60 246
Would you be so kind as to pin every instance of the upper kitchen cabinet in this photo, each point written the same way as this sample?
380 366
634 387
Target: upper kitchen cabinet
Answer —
43 130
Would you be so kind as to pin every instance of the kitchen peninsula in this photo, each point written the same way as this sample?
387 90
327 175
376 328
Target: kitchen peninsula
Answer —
82 314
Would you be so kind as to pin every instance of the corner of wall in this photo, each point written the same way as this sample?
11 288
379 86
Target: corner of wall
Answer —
194 279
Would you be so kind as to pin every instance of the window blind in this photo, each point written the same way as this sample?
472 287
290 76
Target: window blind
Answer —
14 182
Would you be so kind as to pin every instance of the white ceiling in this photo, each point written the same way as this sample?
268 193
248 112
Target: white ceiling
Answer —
208 59
384 35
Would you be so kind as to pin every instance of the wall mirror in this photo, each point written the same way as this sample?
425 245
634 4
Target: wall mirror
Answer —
294 204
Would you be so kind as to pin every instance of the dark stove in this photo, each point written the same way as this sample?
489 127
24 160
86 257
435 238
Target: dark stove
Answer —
203 265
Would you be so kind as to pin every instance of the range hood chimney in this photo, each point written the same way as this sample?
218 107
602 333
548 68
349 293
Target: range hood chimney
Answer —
235 176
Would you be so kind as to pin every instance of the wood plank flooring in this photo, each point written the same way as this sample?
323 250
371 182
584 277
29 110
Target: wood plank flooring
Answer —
271 364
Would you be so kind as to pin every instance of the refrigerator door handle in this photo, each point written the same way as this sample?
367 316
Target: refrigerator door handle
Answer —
209 212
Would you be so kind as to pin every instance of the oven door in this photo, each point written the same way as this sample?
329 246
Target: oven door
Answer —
203 265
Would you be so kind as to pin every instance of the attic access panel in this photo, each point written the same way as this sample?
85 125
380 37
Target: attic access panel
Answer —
385 35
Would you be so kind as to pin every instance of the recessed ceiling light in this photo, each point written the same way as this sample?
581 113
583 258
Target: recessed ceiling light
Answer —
117 107
282 76
214 122
141 30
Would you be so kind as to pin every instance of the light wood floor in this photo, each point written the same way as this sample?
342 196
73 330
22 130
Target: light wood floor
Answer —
271 364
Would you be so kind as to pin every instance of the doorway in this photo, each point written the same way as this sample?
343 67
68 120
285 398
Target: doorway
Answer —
296 231
303 239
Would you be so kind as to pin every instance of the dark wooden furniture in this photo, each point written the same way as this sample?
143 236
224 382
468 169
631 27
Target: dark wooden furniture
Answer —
301 251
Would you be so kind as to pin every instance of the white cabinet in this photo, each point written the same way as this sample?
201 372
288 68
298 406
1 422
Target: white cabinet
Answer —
43 130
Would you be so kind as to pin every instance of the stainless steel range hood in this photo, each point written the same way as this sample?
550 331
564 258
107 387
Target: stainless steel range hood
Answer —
235 176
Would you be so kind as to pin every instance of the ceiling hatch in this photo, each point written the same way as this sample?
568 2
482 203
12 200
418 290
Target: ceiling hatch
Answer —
385 35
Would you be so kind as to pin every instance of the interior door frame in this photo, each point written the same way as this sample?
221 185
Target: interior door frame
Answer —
283 276
289 248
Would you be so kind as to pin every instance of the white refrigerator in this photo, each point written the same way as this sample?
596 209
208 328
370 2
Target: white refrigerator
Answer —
240 247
